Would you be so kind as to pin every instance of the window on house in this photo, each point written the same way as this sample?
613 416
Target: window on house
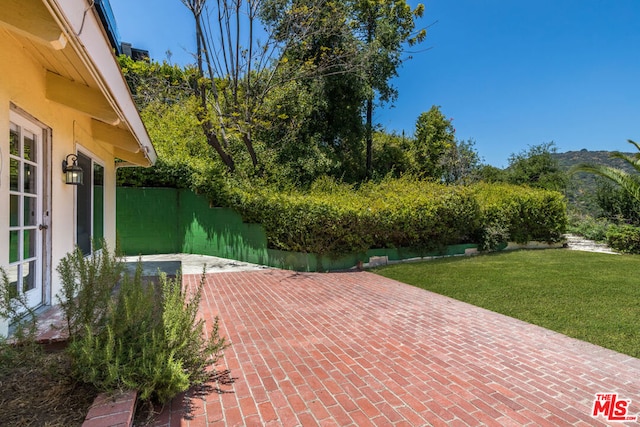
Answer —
90 205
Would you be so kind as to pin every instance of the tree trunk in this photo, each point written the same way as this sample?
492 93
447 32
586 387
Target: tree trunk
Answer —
369 138
252 152
213 141
371 28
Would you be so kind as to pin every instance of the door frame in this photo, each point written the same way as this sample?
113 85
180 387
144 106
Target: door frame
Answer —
45 239
89 180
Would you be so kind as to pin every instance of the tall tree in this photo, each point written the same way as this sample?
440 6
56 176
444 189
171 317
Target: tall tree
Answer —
327 94
537 167
434 136
460 163
237 69
390 156
385 29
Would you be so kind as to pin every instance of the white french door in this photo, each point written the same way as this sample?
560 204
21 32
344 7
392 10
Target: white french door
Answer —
26 228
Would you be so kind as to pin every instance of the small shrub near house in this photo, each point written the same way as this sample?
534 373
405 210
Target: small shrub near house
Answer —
87 289
141 336
15 307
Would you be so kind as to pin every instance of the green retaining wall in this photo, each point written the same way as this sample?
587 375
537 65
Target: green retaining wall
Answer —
166 220
147 220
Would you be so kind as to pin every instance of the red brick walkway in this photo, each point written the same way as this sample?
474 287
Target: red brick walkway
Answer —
356 349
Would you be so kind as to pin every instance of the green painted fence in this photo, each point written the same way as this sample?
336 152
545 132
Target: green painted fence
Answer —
166 220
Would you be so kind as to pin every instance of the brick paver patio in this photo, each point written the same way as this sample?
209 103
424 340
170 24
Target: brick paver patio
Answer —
357 349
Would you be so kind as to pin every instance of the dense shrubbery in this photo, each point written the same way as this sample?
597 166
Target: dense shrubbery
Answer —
138 335
588 226
522 213
335 218
624 238
616 204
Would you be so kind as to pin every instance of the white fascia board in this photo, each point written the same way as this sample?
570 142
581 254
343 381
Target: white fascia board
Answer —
78 19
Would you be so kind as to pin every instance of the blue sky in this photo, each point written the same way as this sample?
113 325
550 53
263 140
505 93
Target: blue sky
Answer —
511 73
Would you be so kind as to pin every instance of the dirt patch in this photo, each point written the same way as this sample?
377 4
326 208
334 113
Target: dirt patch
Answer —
37 389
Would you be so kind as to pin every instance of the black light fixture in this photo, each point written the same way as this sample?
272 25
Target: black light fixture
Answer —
74 175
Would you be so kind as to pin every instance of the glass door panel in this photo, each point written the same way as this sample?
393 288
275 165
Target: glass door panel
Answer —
30 210
14 210
14 175
14 141
98 205
29 276
14 249
25 205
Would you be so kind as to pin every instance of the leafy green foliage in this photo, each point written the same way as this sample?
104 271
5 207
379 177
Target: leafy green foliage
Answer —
537 167
336 218
617 204
151 81
434 136
494 236
290 106
384 29
87 285
419 214
460 163
624 238
522 214
390 156
588 226
491 174
135 335
627 181
14 306
185 160
306 42
312 127
620 202
10 301
582 187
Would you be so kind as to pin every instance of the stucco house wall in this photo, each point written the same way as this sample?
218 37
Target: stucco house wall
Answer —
23 84
68 82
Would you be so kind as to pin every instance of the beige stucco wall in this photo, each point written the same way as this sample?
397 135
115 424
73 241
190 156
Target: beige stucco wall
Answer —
22 82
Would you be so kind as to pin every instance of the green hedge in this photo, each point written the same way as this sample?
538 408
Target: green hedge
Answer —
335 218
624 238
521 214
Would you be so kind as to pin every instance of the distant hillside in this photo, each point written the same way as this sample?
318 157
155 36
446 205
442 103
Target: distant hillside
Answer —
572 158
582 187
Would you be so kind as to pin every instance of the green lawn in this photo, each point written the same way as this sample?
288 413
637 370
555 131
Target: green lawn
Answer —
590 296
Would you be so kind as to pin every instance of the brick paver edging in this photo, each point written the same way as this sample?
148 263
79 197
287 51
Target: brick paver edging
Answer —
112 410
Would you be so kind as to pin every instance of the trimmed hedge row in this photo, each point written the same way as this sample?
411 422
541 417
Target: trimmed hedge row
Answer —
335 218
522 214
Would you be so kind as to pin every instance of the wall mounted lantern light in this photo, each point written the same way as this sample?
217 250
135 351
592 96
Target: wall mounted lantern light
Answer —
74 174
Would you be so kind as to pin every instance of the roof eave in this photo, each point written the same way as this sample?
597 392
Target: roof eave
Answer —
81 25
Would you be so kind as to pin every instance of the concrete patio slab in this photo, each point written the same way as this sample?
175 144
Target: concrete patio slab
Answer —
190 264
357 349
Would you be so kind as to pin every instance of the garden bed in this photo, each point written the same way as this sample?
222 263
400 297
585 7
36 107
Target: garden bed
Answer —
38 389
